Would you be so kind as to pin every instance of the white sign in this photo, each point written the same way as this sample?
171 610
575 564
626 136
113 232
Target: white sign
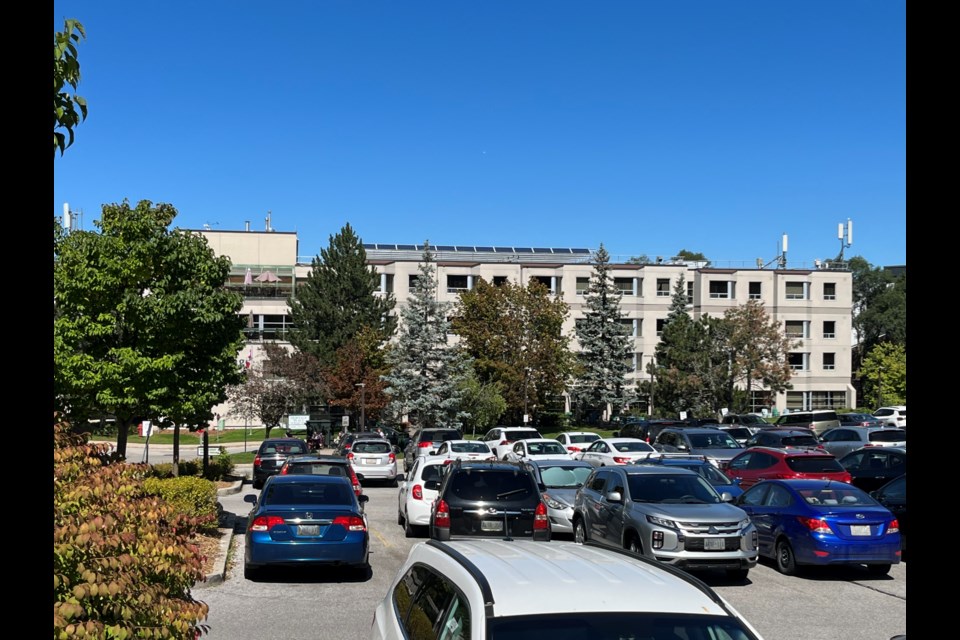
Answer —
345 421
297 422
526 418
147 428
724 411
683 415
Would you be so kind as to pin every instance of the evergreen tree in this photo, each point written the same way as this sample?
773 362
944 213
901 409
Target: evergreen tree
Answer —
427 377
605 346
338 299
679 359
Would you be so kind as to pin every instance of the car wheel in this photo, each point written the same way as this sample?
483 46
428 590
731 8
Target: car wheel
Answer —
786 561
737 575
408 530
579 531
634 546
394 483
257 484
399 517
878 569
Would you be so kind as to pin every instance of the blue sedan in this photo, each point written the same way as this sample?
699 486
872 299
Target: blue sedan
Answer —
306 520
821 522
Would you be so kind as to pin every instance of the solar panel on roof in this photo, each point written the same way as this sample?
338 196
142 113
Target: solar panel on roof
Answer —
503 249
483 248
369 246
445 247
579 250
542 250
563 250
523 249
407 247
459 248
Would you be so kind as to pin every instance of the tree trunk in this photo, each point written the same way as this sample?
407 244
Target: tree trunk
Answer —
123 426
176 451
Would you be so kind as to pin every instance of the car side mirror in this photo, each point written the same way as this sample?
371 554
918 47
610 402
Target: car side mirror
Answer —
614 496
726 496
432 452
432 485
250 498
363 498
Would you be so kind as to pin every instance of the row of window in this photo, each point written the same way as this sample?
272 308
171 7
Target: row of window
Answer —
798 361
793 328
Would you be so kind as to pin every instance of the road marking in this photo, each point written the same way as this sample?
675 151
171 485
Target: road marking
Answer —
381 538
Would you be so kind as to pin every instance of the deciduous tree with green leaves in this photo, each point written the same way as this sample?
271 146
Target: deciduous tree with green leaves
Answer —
884 375
144 327
759 349
66 72
338 299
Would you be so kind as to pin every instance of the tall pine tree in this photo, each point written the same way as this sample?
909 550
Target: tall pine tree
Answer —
427 377
677 367
605 346
338 299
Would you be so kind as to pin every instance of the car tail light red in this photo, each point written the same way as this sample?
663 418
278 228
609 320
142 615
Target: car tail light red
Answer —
893 527
417 492
815 525
620 460
265 523
441 517
351 523
355 481
393 457
284 470
573 449
256 460
424 444
540 521
350 456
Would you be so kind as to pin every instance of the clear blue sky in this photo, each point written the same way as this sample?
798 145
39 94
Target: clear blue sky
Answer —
648 127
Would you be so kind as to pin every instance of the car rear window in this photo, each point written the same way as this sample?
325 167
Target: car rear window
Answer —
632 446
312 494
583 438
800 441
432 472
439 436
739 432
286 448
470 447
814 464
317 469
522 435
371 447
493 485
888 435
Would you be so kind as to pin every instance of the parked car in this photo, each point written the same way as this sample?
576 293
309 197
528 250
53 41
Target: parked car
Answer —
822 522
396 437
425 440
300 520
843 440
895 416
613 451
872 467
893 496
537 449
524 589
766 463
501 439
701 465
647 430
818 420
559 481
315 464
750 420
667 514
717 445
345 443
574 441
462 450
782 438
489 499
739 433
271 455
859 420
374 460
417 493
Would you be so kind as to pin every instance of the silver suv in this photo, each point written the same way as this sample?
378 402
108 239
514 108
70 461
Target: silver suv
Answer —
668 514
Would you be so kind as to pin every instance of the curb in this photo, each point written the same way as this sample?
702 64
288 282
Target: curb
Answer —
218 575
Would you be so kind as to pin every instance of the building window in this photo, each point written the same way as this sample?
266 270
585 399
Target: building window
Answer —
386 283
499 280
413 280
583 284
628 327
639 327
827 399
640 287
797 329
456 283
690 293
549 282
829 361
660 323
829 329
721 289
663 287
755 291
797 290
631 362
623 285
798 361
829 290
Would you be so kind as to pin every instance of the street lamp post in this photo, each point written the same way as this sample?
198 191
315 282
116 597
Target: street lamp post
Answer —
363 402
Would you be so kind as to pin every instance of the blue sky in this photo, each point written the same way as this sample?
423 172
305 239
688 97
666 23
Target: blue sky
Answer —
649 127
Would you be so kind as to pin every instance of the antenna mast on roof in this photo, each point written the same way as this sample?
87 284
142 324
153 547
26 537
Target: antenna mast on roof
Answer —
844 244
781 258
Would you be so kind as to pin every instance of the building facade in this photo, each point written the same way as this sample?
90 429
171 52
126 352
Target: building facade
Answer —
813 306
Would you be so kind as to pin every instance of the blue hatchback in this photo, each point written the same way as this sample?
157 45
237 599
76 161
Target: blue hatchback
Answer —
306 520
821 522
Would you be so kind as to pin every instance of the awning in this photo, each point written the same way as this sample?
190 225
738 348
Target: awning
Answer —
266 310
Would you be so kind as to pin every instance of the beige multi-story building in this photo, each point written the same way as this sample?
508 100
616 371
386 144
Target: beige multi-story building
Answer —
813 305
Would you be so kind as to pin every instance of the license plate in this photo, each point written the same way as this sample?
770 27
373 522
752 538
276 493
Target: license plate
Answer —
859 529
371 460
308 530
714 544
491 525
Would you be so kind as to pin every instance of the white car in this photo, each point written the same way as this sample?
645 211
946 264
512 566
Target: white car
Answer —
895 416
574 441
462 450
537 449
417 493
512 588
614 451
501 439
373 460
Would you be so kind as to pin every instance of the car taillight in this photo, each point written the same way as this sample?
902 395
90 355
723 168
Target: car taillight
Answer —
573 449
893 527
424 445
355 481
417 492
619 460
540 522
505 441
441 517
815 525
256 461
448 461
350 456
265 523
284 471
393 457
352 523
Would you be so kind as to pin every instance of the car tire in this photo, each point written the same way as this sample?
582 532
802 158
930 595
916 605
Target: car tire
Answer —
257 483
394 483
408 530
400 517
737 575
878 569
252 573
579 531
634 546
785 559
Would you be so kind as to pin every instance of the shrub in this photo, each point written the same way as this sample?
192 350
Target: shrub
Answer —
220 467
549 421
190 495
124 562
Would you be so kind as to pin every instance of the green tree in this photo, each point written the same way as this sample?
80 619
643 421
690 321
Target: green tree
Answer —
691 256
879 305
338 299
678 366
426 374
759 350
66 71
514 336
605 346
884 375
483 402
144 327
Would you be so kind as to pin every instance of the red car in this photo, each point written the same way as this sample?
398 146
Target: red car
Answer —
766 463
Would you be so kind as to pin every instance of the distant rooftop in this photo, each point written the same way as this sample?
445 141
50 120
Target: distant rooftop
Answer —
441 252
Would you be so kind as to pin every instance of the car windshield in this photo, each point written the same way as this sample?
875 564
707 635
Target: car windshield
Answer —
311 494
711 474
672 488
564 477
752 420
627 447
888 435
713 441
611 625
491 486
814 464
583 438
469 447
739 432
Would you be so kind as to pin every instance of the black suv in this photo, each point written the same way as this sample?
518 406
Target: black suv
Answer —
489 499
272 454
423 441
647 430
782 438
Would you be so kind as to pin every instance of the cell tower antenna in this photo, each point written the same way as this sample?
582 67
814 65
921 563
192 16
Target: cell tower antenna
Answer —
845 242
780 259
